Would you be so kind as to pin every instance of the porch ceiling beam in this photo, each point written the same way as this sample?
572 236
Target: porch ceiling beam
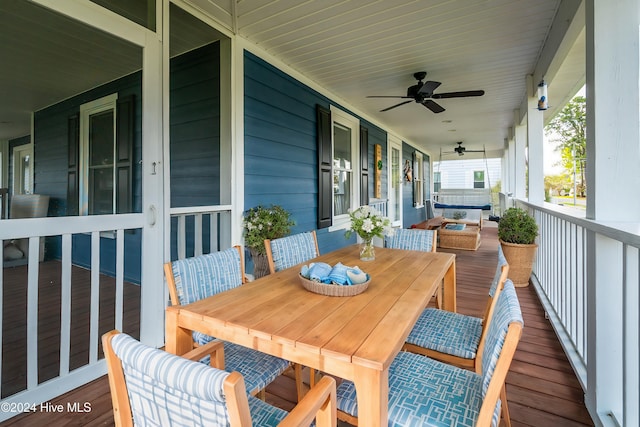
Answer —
98 17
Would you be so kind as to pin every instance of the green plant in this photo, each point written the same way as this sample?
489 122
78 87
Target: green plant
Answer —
368 223
265 222
517 226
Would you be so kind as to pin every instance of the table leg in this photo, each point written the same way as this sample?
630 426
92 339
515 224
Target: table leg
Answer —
372 388
449 288
178 340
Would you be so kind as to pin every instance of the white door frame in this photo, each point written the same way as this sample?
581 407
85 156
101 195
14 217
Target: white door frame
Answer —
19 152
394 142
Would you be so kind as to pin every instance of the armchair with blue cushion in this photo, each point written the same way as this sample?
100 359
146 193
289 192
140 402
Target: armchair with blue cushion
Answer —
291 250
150 387
200 277
288 251
427 392
454 337
413 239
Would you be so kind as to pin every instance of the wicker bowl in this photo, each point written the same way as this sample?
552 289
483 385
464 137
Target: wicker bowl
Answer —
334 290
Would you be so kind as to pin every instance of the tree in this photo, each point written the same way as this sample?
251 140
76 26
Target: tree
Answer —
568 131
555 184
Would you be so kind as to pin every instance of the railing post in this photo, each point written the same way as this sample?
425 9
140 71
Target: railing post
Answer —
604 328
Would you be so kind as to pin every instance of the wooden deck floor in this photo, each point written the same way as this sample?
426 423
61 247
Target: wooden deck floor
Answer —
541 387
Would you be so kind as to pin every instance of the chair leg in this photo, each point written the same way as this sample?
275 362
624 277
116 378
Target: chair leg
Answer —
312 377
297 369
439 296
505 406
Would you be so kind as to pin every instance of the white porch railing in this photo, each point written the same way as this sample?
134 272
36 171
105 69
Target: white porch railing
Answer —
587 276
192 227
379 205
64 227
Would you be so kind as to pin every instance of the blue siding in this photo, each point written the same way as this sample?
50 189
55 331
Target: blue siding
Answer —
281 165
195 127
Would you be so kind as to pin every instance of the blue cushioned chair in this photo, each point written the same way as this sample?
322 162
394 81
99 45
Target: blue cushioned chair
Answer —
454 337
199 277
427 392
413 239
288 251
150 387
291 250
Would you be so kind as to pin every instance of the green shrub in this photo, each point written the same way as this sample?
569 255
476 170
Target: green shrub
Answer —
265 222
517 226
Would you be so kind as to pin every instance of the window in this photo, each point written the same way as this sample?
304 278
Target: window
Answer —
340 173
418 180
22 169
437 181
478 179
345 165
97 156
342 169
100 157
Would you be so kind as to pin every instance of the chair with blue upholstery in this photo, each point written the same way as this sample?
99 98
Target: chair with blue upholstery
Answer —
427 392
288 251
413 239
150 387
291 250
454 337
195 278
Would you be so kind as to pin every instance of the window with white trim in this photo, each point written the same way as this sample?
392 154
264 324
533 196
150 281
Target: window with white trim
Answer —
478 179
97 156
418 180
345 157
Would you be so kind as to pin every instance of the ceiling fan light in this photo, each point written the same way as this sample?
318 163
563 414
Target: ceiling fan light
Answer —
543 100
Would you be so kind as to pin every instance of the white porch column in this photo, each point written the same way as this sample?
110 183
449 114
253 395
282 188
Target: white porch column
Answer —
613 88
511 165
613 152
535 143
519 184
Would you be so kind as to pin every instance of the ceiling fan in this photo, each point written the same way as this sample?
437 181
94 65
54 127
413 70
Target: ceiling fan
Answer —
422 93
461 150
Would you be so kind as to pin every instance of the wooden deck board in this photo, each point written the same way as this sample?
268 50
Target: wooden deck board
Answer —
541 387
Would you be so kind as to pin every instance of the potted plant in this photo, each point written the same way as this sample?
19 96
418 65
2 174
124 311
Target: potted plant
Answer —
260 223
517 231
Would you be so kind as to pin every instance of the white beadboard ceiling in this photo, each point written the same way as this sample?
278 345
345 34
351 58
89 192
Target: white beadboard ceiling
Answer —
350 48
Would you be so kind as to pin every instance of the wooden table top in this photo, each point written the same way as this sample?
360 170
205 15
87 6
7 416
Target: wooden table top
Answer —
275 314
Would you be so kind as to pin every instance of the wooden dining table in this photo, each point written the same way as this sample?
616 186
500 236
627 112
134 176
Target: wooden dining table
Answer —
354 338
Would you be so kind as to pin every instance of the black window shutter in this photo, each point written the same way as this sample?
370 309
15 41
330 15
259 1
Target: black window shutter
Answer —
325 174
73 150
125 117
364 166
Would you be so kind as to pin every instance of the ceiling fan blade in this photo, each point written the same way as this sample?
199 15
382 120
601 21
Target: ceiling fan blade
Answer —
394 106
462 94
433 106
387 96
428 87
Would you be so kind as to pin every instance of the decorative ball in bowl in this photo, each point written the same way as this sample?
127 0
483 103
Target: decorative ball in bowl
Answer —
337 281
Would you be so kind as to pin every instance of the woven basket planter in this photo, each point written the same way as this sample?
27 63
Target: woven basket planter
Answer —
520 259
260 264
